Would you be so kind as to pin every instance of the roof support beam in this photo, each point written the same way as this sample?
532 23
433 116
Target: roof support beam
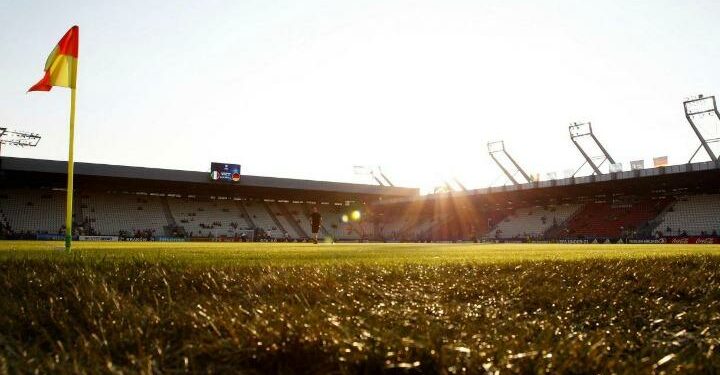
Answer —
498 147
697 107
581 130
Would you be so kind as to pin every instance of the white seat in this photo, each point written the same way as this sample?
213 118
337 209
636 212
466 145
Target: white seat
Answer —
533 221
693 214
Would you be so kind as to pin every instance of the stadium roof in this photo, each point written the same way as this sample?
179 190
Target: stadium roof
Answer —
701 177
185 182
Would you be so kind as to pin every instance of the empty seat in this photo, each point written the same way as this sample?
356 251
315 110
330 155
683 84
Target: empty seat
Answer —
693 215
533 221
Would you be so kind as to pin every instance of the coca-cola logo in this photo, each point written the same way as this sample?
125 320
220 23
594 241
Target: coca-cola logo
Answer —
704 241
680 240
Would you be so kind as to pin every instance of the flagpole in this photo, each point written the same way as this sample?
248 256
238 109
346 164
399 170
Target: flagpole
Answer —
70 171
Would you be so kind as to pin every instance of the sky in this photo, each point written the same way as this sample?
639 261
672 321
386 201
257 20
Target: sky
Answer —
308 89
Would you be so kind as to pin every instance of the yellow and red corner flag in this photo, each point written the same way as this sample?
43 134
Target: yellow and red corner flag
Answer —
61 65
61 70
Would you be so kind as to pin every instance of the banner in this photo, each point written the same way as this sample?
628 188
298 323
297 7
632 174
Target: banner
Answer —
226 239
574 241
660 161
50 237
98 238
637 164
650 241
693 240
169 239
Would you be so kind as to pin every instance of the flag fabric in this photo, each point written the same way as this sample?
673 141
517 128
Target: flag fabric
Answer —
660 161
637 165
61 65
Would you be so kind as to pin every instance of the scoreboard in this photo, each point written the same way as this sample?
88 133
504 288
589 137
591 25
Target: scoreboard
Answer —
224 172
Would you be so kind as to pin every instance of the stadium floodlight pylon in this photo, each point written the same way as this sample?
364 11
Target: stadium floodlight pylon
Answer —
365 171
459 184
697 108
17 138
387 180
498 147
373 172
582 131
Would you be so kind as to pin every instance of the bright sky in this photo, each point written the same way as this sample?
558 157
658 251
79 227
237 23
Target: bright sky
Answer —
307 89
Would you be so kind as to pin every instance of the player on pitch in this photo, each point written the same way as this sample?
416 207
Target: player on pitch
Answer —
315 221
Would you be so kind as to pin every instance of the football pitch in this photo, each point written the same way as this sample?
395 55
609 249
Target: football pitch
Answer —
335 254
358 308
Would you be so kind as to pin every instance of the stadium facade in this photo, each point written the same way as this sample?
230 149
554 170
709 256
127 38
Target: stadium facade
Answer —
666 204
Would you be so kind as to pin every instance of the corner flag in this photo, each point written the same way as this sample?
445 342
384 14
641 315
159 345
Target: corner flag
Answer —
61 70
61 65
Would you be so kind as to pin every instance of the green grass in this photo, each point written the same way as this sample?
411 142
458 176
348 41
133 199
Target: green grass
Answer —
282 254
375 308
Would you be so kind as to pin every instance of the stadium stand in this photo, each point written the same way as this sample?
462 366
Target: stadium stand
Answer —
413 221
33 210
202 218
613 219
489 220
363 229
668 202
112 214
697 215
299 214
262 217
333 224
287 221
533 221
391 228
407 225
421 230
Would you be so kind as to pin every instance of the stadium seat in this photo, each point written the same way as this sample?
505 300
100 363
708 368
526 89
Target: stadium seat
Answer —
287 221
33 211
532 221
693 215
208 217
614 219
263 218
109 214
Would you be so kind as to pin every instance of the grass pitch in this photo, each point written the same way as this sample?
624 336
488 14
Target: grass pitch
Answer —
328 254
363 308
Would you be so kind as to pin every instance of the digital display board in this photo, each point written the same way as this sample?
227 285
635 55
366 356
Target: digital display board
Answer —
225 172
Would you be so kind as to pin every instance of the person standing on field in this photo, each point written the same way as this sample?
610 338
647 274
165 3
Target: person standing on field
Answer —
315 221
